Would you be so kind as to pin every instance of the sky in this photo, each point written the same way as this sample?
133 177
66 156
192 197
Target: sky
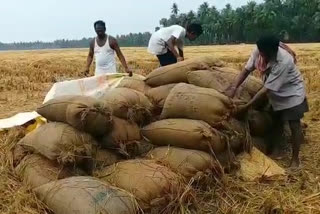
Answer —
48 20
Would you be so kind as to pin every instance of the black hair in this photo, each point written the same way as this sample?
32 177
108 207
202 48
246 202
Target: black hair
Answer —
195 28
100 22
269 45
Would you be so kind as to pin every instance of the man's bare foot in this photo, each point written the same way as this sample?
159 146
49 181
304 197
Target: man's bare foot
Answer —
295 164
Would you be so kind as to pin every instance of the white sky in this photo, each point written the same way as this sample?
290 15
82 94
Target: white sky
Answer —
47 20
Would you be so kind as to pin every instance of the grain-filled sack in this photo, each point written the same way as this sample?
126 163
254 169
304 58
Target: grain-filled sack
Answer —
159 94
134 83
83 113
177 73
128 104
36 170
189 163
18 153
185 133
86 195
228 161
148 181
61 142
261 144
238 134
124 132
216 80
260 123
104 158
252 84
126 138
139 148
192 102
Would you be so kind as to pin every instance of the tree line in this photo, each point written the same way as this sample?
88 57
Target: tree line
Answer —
291 20
130 40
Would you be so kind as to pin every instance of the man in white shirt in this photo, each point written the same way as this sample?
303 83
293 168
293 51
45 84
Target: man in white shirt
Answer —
163 43
284 86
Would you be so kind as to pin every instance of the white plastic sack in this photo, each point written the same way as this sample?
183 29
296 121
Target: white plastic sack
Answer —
91 86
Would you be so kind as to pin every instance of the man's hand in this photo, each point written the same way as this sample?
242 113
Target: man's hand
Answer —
179 59
129 71
230 91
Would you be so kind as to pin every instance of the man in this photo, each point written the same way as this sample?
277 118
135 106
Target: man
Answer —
103 48
163 42
284 87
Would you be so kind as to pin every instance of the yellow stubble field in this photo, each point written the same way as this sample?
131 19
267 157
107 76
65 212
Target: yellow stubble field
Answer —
26 77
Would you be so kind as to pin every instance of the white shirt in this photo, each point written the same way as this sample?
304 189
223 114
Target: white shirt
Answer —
159 39
283 79
105 59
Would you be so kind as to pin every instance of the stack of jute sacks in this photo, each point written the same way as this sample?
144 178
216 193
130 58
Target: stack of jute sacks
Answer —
142 146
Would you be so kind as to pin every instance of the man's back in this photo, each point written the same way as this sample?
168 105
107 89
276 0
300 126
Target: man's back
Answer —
174 30
285 82
157 43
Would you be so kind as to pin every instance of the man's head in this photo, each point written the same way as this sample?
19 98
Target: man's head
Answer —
193 31
268 46
100 28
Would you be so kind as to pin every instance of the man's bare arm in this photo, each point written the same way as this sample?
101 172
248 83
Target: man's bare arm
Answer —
115 46
231 91
263 91
90 57
181 53
171 46
244 108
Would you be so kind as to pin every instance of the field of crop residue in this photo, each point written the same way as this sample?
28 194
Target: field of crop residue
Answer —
26 77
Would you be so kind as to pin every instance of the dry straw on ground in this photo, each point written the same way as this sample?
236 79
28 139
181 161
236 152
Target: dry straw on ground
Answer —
25 77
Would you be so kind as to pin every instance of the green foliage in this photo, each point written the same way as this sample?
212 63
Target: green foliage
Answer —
291 20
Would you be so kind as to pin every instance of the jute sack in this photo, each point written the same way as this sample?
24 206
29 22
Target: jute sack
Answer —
139 149
260 143
122 134
252 84
185 133
228 161
86 195
18 153
83 113
128 104
189 163
61 142
134 83
104 158
177 73
159 94
238 134
192 102
126 139
152 184
35 170
216 80
260 123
